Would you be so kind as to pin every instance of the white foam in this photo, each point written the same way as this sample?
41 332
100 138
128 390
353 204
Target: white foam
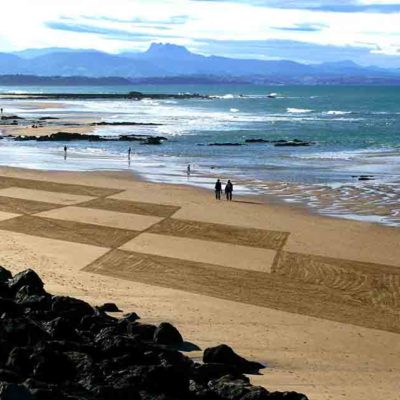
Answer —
333 112
293 110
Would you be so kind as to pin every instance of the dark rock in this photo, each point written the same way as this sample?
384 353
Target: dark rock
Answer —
257 393
51 366
12 391
228 388
27 278
131 317
5 275
142 331
223 354
167 334
204 373
109 307
71 308
9 307
7 375
152 141
60 328
19 360
7 117
22 331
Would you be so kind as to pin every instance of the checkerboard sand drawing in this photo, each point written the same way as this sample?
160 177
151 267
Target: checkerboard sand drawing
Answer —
149 245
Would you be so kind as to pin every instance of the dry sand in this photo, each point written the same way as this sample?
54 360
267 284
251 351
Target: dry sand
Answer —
325 316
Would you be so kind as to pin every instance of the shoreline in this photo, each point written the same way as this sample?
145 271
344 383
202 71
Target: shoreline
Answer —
372 201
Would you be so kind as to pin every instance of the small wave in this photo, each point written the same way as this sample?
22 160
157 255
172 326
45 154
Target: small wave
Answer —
298 110
333 112
234 110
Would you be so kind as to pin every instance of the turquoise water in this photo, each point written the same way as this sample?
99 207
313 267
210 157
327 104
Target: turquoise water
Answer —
356 131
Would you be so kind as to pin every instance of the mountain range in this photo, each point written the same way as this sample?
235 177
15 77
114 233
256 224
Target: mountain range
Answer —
166 62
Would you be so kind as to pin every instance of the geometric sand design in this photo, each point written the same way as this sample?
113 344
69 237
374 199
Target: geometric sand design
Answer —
103 217
366 283
6 181
216 253
131 207
221 233
77 232
148 245
251 287
21 206
44 196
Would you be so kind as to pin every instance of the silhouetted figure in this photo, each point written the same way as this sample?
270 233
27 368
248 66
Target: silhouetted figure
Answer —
218 189
229 190
65 152
188 171
129 153
1 111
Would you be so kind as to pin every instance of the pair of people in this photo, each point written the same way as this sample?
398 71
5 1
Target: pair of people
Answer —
228 190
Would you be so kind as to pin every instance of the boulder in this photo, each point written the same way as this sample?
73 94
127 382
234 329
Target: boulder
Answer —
71 308
109 307
131 317
224 354
27 278
167 334
5 275
228 388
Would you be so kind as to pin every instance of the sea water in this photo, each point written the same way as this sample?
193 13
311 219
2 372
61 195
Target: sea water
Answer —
355 131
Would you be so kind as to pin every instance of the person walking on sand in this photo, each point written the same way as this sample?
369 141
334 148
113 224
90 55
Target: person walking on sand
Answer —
65 152
229 190
218 189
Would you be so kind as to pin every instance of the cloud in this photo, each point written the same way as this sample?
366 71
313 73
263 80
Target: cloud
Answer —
343 6
111 33
302 27
364 54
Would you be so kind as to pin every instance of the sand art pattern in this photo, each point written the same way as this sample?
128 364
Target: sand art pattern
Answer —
149 245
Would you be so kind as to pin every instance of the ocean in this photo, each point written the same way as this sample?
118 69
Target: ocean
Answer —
355 130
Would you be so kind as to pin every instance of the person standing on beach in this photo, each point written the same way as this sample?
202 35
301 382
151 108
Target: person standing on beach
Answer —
65 152
188 170
229 190
129 153
218 189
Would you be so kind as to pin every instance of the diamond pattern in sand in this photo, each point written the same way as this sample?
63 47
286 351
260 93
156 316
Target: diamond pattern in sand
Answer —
143 242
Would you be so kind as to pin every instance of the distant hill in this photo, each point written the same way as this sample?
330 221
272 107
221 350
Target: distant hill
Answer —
168 61
33 80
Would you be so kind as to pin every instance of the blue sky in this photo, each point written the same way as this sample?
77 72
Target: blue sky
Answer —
365 31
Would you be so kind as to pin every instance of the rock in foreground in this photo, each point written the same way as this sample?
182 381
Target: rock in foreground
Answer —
61 348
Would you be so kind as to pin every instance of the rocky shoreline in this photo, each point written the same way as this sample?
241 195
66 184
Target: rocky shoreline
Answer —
62 348
105 96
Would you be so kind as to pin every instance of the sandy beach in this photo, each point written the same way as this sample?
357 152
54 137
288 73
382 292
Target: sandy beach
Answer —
315 298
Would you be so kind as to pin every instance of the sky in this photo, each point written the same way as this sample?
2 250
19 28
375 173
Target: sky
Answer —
364 31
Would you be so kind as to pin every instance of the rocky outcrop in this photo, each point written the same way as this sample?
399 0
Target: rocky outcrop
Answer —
71 136
61 348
